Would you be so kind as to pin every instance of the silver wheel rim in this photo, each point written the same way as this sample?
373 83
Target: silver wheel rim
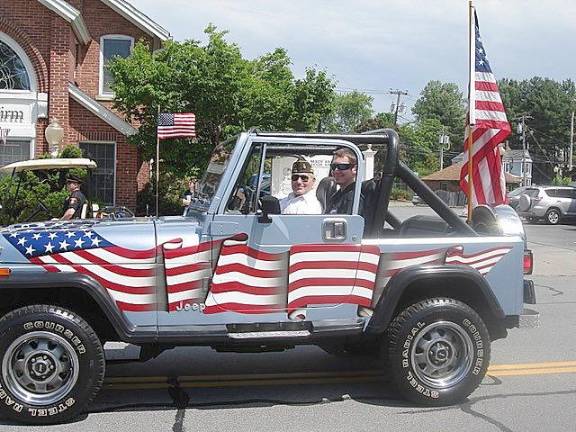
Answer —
40 368
553 217
441 354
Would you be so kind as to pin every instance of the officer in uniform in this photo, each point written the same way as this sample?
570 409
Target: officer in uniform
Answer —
75 201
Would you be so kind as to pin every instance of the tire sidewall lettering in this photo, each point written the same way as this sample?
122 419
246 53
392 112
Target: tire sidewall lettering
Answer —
63 331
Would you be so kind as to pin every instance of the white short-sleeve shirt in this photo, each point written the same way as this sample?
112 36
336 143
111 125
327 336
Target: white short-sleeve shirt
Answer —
302 204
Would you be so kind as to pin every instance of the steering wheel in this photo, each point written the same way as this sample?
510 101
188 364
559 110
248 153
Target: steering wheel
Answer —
40 207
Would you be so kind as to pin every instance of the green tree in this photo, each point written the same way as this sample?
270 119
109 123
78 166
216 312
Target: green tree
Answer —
379 121
443 102
419 144
550 104
313 101
350 111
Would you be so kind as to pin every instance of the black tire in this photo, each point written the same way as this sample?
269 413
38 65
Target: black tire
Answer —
439 351
552 217
52 365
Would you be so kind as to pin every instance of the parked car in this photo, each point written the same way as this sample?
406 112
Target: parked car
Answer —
514 196
416 200
550 203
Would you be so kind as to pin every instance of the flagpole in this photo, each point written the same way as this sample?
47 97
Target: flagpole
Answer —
472 102
157 161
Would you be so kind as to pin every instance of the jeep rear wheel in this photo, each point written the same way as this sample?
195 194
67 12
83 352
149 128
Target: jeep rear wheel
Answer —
439 351
52 364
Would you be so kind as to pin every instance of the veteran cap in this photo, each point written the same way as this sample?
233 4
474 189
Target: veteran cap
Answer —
302 166
74 178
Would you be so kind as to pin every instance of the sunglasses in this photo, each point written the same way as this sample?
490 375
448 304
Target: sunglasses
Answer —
340 166
302 177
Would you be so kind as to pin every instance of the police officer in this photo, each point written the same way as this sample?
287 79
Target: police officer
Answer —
75 201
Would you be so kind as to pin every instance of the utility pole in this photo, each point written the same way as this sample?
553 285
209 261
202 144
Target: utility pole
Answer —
443 140
398 93
522 129
570 166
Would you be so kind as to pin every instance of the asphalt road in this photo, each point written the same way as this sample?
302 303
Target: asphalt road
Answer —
531 385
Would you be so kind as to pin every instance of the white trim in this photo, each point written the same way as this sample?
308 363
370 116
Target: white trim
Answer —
101 111
101 93
71 15
25 61
138 18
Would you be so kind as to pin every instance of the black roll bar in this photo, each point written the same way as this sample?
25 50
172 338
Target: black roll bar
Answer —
433 200
385 183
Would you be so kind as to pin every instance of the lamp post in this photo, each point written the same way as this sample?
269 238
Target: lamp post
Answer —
54 134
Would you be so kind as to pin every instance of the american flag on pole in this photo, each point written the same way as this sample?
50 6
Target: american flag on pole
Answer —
127 274
176 125
489 127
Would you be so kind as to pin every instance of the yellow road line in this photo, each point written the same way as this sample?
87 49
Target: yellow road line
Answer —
533 368
299 378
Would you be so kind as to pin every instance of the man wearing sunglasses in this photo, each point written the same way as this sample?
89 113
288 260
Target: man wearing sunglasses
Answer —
343 168
302 199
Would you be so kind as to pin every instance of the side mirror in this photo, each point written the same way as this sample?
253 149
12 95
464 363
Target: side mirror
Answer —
268 205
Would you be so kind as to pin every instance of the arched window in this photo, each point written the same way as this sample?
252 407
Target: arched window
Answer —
13 74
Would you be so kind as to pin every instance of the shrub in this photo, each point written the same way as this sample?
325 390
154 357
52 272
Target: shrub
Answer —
400 194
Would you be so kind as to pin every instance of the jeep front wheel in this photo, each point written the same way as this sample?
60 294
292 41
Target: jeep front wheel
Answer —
439 351
52 364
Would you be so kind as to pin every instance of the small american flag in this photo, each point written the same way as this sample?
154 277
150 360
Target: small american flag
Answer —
489 127
176 125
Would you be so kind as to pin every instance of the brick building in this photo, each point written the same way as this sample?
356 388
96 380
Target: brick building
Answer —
53 57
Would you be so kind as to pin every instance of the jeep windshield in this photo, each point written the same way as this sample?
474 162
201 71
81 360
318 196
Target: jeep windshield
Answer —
217 164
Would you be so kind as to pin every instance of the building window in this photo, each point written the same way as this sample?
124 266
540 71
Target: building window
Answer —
112 46
103 179
14 151
13 74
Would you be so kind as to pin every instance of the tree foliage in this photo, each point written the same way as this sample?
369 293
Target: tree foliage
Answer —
351 110
227 92
550 105
442 102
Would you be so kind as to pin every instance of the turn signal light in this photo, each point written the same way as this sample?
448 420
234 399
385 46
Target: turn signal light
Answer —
5 271
528 262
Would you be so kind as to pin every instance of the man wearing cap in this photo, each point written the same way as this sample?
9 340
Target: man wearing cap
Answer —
75 200
302 199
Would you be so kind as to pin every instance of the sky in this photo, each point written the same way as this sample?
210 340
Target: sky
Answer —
375 46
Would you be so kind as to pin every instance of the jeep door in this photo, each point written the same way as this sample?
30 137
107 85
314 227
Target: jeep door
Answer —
296 266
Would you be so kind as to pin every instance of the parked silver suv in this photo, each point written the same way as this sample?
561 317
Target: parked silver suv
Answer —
551 203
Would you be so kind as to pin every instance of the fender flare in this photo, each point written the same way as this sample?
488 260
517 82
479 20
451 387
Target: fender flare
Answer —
384 310
44 280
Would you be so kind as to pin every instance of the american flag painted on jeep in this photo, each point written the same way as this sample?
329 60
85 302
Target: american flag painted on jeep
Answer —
247 280
186 269
325 274
127 274
244 279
